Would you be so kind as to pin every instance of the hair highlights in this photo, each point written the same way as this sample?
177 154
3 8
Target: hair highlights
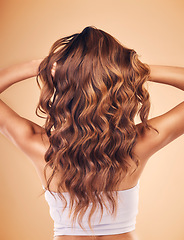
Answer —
90 105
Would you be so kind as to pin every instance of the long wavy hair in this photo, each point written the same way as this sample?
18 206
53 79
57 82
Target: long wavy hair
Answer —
90 105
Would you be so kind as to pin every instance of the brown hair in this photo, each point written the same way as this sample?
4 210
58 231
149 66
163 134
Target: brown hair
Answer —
90 106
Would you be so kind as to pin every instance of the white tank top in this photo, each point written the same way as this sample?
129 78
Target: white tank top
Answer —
127 210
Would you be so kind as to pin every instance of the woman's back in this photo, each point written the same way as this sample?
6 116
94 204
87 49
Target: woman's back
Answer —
128 182
121 227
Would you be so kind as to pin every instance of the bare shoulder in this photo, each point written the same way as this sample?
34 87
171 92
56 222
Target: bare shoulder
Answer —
169 126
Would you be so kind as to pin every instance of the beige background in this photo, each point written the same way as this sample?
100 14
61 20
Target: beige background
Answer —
155 30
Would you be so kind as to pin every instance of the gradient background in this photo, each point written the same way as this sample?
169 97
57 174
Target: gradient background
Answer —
155 30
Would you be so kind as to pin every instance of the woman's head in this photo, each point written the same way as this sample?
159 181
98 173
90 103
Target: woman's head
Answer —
92 91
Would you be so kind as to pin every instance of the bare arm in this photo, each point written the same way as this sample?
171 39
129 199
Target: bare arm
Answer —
17 73
24 133
170 125
10 76
169 75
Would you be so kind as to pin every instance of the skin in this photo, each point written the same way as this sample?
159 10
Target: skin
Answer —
26 135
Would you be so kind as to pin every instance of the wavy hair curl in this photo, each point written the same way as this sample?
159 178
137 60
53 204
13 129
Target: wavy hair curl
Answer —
90 105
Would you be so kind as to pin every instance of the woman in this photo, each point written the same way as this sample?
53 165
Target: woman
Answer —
90 154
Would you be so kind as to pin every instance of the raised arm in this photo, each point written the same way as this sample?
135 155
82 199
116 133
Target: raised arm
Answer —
170 125
17 73
173 76
24 133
